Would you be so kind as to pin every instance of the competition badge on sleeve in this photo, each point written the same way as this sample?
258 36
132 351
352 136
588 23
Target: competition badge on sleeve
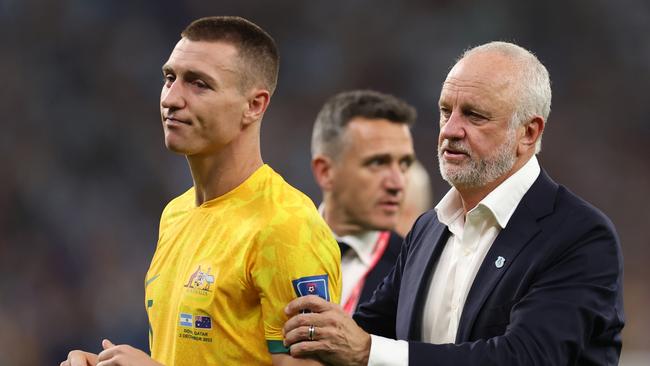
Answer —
312 285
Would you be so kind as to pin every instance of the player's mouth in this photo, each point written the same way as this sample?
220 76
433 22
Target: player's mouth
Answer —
171 121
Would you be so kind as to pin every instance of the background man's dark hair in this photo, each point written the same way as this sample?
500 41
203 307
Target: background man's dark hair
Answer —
258 53
343 107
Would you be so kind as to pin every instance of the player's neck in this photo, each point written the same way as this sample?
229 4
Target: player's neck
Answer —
217 174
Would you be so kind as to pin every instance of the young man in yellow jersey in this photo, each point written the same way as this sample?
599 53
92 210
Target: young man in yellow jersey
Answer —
241 243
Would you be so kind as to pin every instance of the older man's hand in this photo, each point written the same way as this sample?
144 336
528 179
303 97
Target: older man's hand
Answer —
335 337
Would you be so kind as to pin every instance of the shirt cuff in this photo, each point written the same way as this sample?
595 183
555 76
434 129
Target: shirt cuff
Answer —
388 352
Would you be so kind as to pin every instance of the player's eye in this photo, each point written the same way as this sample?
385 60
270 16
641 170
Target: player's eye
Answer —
168 79
200 84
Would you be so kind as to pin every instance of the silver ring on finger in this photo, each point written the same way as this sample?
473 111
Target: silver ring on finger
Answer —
311 332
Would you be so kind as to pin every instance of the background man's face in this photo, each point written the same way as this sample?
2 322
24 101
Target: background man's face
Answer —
369 175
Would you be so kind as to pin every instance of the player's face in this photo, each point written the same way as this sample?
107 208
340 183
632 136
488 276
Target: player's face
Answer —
476 145
371 171
200 104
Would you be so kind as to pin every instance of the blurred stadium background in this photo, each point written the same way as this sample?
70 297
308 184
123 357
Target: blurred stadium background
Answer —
84 173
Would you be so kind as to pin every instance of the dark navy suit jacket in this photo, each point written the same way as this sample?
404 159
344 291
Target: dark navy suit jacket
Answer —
556 300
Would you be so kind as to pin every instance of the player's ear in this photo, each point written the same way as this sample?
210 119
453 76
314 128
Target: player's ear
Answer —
258 101
323 170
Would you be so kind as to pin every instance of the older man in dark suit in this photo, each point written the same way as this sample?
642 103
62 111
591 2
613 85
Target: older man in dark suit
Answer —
510 269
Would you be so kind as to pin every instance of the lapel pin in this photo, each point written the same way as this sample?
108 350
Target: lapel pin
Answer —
499 262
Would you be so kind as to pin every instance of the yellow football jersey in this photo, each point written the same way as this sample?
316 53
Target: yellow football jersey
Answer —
223 272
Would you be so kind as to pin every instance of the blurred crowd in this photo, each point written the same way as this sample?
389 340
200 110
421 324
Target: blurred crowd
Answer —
85 175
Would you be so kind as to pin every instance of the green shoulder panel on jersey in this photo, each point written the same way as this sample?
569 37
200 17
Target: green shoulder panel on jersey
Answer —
276 347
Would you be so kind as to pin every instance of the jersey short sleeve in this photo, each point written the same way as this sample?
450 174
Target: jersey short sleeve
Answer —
296 256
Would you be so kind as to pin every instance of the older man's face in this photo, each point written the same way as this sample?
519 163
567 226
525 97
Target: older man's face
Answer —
477 145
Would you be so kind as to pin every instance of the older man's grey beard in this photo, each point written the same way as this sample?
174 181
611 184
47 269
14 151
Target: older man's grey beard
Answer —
477 173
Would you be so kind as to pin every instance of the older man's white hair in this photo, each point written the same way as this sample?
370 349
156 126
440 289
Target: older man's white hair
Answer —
534 84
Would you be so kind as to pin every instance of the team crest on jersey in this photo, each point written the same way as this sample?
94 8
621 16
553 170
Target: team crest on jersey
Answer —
312 285
200 280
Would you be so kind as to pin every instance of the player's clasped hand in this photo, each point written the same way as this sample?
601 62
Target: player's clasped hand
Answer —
112 355
80 358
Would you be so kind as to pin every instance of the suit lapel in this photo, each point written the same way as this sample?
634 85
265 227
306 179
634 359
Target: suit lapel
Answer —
501 255
416 279
520 230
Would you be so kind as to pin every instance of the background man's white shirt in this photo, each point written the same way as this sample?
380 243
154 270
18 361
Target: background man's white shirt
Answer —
356 261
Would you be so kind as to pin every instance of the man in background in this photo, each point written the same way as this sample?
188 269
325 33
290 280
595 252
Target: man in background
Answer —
361 154
240 243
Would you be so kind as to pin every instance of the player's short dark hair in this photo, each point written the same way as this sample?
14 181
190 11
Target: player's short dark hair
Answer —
340 109
258 53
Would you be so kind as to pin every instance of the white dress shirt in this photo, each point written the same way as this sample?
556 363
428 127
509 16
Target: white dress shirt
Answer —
471 237
356 261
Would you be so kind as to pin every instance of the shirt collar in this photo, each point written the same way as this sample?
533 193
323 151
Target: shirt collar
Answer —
450 207
501 202
363 244
505 198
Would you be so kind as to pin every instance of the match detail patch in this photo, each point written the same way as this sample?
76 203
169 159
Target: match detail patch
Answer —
312 285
